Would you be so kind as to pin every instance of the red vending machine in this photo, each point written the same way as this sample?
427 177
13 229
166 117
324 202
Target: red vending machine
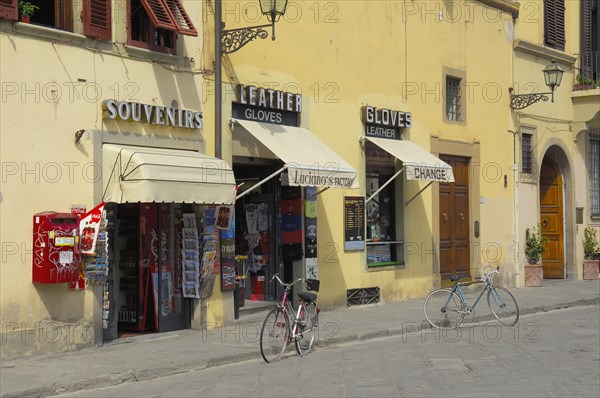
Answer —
56 251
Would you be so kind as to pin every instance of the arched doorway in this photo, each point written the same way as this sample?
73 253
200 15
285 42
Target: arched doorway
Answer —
552 219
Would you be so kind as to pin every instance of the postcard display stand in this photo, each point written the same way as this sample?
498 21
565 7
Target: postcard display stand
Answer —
190 254
96 267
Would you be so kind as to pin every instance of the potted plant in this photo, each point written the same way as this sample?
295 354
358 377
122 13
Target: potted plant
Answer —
591 254
26 10
534 248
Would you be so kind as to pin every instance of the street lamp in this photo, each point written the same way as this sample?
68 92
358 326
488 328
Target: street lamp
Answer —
234 39
552 76
229 41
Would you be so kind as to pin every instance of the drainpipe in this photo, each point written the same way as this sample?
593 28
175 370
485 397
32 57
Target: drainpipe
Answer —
218 93
516 246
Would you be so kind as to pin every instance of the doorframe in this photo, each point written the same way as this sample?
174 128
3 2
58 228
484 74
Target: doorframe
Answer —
466 149
556 150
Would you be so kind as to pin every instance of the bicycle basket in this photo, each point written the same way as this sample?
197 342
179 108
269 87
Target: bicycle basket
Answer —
313 284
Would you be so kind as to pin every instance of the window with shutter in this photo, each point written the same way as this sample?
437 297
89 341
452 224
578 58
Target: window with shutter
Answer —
154 24
160 15
181 18
150 26
554 23
97 19
9 9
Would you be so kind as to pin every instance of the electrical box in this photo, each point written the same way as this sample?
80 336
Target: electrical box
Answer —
56 247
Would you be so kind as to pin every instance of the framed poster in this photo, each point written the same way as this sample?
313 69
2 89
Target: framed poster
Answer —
354 223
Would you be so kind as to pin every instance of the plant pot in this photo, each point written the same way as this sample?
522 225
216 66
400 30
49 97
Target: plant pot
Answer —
24 19
534 275
590 269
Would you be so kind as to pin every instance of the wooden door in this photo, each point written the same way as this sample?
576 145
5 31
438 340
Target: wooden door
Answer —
551 219
454 220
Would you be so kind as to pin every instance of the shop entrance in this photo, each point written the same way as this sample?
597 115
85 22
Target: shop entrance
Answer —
145 279
454 220
258 228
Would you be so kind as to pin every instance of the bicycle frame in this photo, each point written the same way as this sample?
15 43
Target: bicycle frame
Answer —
286 306
489 284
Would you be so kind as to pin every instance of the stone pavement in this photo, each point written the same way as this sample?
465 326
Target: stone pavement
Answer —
150 356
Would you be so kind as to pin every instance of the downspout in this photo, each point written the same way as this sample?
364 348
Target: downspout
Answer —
218 92
516 210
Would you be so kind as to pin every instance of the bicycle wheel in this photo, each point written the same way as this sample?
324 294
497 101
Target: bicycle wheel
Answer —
443 309
274 335
503 305
306 332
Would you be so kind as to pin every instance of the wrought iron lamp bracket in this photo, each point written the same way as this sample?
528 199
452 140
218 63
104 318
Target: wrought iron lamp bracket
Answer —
234 39
522 101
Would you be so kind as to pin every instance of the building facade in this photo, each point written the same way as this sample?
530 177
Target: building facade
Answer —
372 146
557 141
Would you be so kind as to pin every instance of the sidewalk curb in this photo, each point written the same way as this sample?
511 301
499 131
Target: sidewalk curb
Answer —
148 374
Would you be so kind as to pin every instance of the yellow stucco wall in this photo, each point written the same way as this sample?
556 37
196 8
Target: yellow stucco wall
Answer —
341 56
53 84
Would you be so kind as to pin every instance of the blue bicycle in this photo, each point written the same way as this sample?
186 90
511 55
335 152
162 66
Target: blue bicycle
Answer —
447 308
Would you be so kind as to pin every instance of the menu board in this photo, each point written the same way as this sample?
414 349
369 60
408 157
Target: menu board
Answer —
354 223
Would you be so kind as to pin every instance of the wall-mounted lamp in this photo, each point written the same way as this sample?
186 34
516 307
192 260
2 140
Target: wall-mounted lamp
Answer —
552 75
234 39
231 41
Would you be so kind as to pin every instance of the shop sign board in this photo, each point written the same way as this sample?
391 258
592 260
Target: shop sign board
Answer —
151 114
89 225
267 105
354 223
228 259
384 123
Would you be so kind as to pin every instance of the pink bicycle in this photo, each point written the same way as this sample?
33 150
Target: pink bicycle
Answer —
277 330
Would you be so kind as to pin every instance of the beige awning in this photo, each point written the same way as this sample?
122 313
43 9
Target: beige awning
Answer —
309 162
143 174
418 163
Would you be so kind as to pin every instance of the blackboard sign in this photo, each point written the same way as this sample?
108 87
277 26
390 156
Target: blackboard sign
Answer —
354 223
227 263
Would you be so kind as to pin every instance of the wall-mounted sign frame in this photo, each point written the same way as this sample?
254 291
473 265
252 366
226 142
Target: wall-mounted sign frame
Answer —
354 223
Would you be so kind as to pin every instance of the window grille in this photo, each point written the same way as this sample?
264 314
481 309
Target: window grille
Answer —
526 155
453 98
594 172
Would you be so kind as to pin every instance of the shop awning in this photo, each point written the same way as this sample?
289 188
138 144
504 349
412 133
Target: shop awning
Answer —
309 162
418 163
142 174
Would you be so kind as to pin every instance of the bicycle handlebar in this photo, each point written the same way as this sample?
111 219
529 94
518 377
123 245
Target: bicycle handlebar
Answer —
276 276
491 274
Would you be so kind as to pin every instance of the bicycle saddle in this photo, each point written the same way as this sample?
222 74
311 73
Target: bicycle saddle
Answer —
308 297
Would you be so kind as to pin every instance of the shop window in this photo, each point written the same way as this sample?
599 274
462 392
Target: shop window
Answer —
526 153
383 222
154 24
53 13
594 172
554 24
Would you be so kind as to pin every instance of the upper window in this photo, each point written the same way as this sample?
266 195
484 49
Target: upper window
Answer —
154 24
594 172
554 24
526 153
53 13
453 98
